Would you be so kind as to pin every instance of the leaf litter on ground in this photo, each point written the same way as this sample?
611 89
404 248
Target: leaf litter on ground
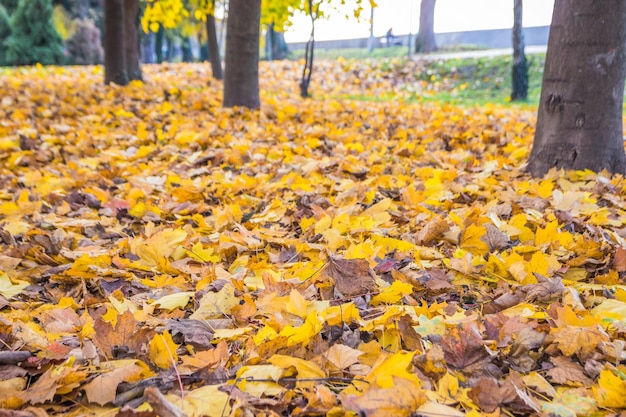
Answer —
162 255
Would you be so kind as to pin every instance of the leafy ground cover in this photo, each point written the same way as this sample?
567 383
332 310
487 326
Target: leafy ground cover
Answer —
319 257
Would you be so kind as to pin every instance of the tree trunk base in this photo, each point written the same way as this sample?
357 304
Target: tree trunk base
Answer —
576 156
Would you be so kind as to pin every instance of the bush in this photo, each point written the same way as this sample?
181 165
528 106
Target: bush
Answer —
5 31
84 46
10 5
33 37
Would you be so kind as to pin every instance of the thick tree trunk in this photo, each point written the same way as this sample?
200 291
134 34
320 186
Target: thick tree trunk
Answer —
241 78
579 123
425 41
214 48
131 39
114 58
520 65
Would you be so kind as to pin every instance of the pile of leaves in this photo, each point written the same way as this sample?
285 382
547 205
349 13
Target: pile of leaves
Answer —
161 255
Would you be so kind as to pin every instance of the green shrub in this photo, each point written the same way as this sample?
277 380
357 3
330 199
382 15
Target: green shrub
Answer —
5 31
33 37
84 46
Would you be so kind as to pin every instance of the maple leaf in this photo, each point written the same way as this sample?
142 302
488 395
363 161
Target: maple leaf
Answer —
399 399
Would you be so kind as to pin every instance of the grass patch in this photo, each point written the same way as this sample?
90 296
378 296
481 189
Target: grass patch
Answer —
479 80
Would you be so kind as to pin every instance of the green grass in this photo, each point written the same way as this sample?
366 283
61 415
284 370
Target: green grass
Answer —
377 53
473 81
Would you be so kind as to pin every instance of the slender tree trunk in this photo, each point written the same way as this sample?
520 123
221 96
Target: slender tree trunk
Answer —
186 49
241 80
169 41
147 48
269 42
425 41
579 122
114 58
520 65
131 39
309 54
158 44
214 48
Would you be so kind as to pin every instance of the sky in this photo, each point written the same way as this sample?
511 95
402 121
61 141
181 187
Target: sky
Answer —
403 17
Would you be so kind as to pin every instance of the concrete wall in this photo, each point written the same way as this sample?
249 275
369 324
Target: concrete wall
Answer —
497 38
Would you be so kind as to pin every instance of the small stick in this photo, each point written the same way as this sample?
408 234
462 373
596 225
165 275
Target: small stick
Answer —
160 404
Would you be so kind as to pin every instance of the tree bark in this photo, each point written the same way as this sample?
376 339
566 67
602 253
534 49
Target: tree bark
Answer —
131 39
241 78
158 44
425 41
114 57
520 65
579 122
185 47
214 48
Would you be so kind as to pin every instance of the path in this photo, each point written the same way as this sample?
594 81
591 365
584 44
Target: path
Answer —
534 49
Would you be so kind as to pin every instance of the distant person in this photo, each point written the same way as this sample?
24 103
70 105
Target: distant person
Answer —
390 37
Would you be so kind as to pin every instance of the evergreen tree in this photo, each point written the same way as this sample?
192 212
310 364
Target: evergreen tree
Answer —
5 31
33 37
10 5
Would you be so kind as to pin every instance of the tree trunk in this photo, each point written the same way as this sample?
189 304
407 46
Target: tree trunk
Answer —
214 48
520 65
241 80
131 39
425 41
169 41
147 48
269 42
158 44
186 49
114 58
579 122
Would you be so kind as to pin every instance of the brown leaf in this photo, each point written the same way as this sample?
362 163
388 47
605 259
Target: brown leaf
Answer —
463 347
410 338
433 230
352 277
398 401
547 289
490 394
126 411
126 333
194 332
566 371
101 390
619 261
494 238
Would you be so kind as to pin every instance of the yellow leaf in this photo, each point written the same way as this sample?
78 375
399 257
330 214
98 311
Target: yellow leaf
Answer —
214 305
159 246
393 293
248 374
396 365
611 390
172 301
471 240
304 369
162 350
9 288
